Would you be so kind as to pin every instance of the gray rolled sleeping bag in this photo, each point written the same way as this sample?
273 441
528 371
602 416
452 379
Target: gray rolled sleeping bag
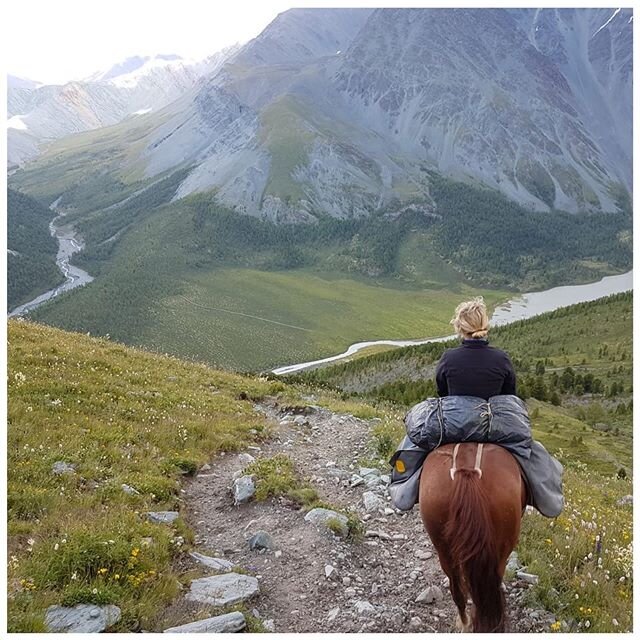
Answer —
502 420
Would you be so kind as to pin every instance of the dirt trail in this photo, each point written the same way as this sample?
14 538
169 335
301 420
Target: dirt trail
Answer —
388 572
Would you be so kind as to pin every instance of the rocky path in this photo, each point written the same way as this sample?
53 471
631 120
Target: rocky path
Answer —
311 580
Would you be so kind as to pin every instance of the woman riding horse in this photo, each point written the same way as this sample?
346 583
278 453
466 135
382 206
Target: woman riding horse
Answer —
471 495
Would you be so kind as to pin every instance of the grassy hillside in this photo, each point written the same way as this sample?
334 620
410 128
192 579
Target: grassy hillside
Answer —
124 416
120 416
31 262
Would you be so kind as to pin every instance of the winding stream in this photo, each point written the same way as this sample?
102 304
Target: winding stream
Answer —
524 306
68 244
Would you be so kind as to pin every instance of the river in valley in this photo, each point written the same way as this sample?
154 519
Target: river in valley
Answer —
68 244
526 305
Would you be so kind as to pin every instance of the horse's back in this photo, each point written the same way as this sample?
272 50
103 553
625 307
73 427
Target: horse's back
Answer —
500 481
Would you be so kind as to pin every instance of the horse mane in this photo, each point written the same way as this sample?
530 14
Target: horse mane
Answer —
472 547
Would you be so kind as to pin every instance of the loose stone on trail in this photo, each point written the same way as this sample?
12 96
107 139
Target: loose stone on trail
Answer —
226 623
83 618
223 590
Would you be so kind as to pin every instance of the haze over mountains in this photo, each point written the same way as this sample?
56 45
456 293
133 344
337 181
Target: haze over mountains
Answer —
41 113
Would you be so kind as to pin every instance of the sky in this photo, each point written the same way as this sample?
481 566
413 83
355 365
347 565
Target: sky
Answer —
54 41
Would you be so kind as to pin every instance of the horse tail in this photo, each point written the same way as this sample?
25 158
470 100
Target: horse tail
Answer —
473 550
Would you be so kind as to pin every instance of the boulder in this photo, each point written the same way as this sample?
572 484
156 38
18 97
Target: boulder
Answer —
226 623
367 471
83 618
223 590
163 517
217 564
328 521
244 489
261 540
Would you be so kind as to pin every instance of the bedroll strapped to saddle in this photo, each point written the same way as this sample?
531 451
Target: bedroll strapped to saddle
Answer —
502 420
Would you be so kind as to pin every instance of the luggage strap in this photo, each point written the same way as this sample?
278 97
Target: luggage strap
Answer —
476 468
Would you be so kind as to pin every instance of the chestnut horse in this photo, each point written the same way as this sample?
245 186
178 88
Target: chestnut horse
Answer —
471 502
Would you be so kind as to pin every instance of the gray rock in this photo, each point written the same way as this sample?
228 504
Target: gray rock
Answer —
430 595
269 625
223 590
350 592
243 489
130 490
226 623
531 578
261 540
323 517
163 517
63 468
513 563
415 622
333 614
245 459
423 555
218 564
367 471
83 618
356 480
625 500
205 467
364 608
373 502
330 572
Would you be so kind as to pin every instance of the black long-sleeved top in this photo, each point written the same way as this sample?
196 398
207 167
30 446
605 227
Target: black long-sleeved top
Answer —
475 369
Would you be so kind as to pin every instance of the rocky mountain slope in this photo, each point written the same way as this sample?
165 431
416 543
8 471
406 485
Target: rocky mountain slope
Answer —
519 101
342 112
41 113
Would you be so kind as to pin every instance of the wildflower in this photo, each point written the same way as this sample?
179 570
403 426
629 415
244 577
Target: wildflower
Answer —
94 591
587 624
116 577
555 626
614 622
135 552
56 546
74 576
102 571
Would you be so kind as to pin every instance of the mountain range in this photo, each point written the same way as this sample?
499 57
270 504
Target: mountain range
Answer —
340 111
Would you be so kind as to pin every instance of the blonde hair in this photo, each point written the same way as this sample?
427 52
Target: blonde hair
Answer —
471 319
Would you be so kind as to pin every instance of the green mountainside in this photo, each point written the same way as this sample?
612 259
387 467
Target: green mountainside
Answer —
195 279
31 261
